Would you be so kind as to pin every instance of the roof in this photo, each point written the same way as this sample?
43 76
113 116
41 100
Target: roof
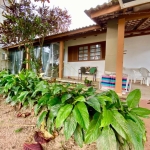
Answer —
67 35
137 17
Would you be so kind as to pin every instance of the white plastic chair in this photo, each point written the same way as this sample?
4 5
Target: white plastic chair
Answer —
146 75
138 76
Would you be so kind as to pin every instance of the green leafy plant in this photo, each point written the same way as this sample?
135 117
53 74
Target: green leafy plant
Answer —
81 112
87 82
19 88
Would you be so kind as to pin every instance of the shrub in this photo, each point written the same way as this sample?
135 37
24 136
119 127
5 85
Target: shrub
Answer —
84 114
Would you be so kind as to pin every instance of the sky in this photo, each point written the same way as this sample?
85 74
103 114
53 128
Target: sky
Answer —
76 10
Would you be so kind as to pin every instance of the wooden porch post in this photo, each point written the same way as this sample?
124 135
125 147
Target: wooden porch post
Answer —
119 61
27 58
61 58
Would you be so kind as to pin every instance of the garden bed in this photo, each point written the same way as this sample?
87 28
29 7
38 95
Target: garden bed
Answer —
11 138
56 109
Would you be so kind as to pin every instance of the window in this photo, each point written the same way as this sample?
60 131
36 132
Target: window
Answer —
87 52
95 52
83 53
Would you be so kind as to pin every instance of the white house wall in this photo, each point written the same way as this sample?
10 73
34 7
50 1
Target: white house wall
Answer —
138 52
71 68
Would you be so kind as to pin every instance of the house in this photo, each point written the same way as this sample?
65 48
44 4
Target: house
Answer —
3 54
102 45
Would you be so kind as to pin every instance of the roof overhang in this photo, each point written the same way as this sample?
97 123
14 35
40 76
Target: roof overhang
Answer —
137 18
73 34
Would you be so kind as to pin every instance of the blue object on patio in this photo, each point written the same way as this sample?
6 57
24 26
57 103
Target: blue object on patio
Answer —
108 82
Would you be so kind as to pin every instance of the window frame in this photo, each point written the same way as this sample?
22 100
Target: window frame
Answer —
73 52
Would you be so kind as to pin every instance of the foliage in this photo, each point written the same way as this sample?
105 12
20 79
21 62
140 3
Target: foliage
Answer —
87 82
24 22
84 114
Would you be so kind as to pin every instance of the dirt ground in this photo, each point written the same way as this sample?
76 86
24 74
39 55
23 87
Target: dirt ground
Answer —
10 139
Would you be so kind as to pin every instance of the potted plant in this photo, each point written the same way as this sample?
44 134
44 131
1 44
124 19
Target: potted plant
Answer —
87 82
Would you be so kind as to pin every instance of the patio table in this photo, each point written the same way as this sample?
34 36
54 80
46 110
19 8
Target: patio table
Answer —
108 82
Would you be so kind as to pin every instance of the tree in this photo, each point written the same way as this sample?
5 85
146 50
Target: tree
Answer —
26 22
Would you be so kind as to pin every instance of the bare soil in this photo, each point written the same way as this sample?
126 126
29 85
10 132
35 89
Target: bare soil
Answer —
10 139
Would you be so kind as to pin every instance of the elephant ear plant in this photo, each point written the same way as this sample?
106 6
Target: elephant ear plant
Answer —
84 114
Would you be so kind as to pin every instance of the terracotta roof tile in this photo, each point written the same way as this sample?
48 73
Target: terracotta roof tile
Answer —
100 7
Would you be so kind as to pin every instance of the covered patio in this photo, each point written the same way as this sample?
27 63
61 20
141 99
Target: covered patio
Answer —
120 24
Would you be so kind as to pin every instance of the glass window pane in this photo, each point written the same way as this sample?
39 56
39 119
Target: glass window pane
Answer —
93 46
85 47
97 53
85 51
80 55
92 54
97 49
97 45
97 57
80 48
85 58
80 51
85 54
92 50
91 58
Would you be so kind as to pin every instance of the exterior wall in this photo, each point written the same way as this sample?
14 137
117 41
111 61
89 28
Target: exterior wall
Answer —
3 63
138 52
137 55
71 68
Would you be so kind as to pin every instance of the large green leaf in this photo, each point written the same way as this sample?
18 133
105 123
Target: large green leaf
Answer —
135 136
104 98
93 131
119 124
79 99
91 91
40 87
139 123
57 90
54 109
128 130
107 140
36 109
133 98
69 126
53 101
23 95
41 118
141 111
63 113
107 117
78 136
115 98
94 102
65 97
53 113
81 114
44 99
